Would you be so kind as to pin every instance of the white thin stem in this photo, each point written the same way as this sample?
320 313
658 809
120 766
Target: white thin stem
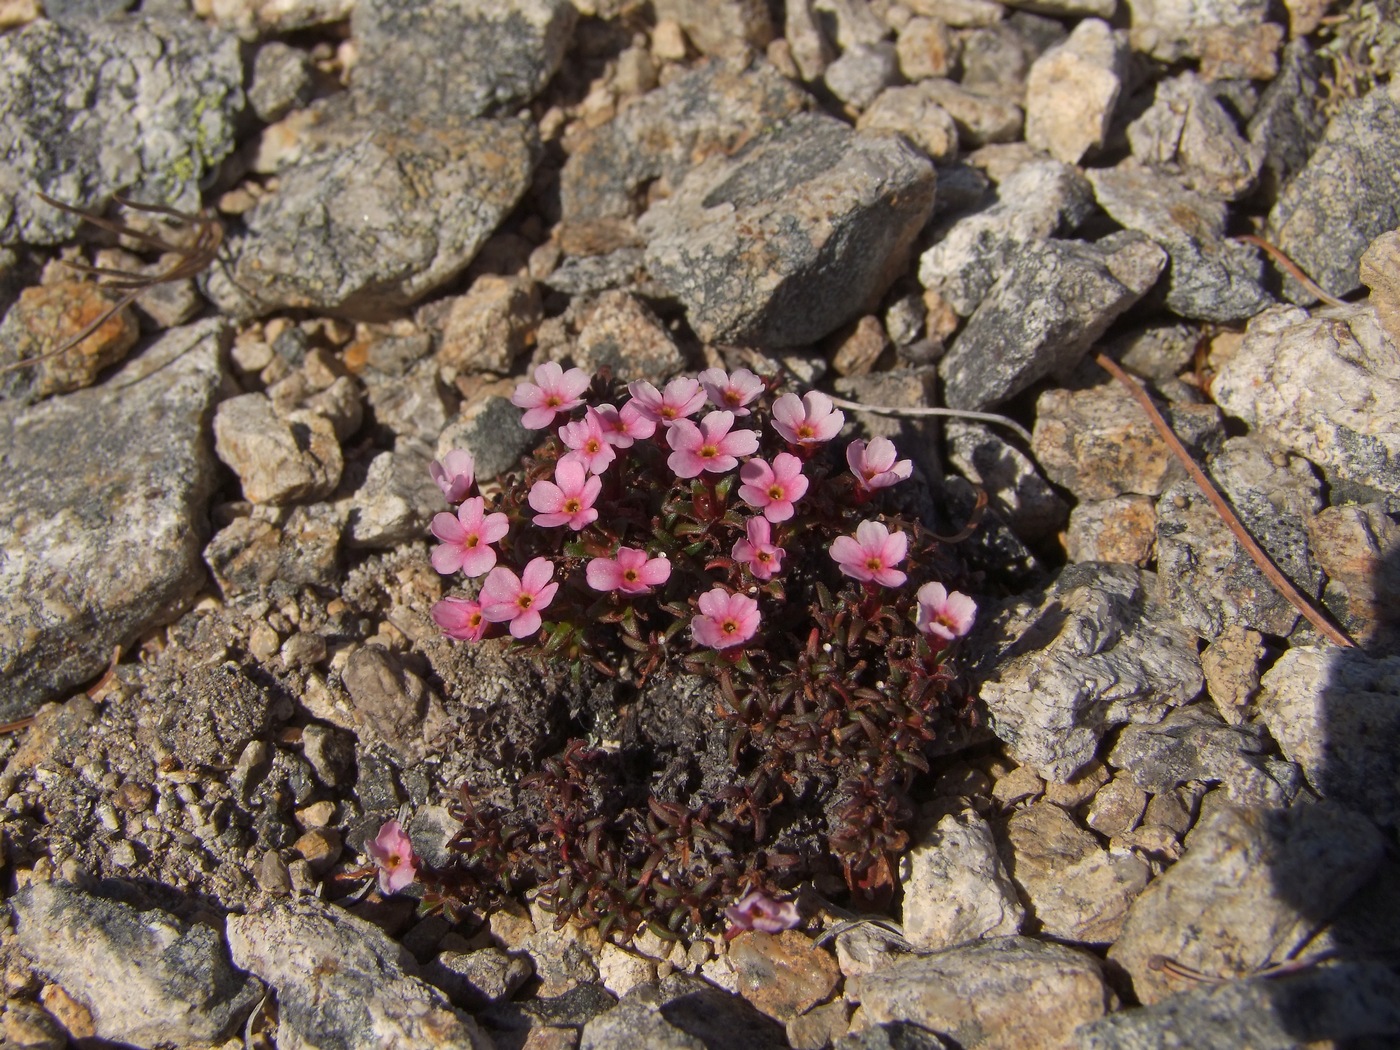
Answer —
956 413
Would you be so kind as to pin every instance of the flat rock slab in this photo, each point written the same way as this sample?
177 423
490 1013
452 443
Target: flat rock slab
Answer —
1254 886
147 978
87 481
1044 313
375 216
341 981
141 106
796 234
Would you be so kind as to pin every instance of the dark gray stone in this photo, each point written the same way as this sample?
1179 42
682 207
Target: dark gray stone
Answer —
396 502
682 1013
281 80
1346 196
801 231
140 106
1288 123
1211 278
277 550
1024 498
894 1035
86 479
411 55
146 977
1044 313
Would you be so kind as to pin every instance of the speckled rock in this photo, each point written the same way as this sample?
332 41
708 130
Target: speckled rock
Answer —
396 502
1232 38
1210 277
1288 122
1380 271
1017 490
145 977
955 887
490 326
719 27
67 526
341 979
1358 547
277 460
46 317
1119 529
782 974
1073 90
1187 132
793 236
146 106
1346 196
1098 651
911 112
681 1013
1327 387
1253 887
1044 313
277 548
621 333
980 118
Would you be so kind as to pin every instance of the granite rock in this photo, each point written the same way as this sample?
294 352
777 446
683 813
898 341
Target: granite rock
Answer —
1118 529
1232 38
277 460
1016 489
955 887
1288 123
1073 90
1188 133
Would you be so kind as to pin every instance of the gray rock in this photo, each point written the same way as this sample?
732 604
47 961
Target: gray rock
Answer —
1010 992
621 333
896 1035
1099 444
1193 744
591 274
410 63
1118 529
980 118
414 406
1044 313
1288 122
374 215
258 19
133 472
1346 196
1023 498
209 714
1073 90
1068 8
1334 712
1205 573
341 981
146 977
910 112
490 430
1037 201
1097 652
955 887
140 106
720 27
1159 351
925 48
1232 38
1358 547
1332 1004
1117 808
281 81
396 502
474 980
1380 272
278 550
1211 278
1252 889
834 212
486 329
277 460
862 72
392 702
711 110
1327 387
807 39
1077 890
1187 132
685 1013
961 14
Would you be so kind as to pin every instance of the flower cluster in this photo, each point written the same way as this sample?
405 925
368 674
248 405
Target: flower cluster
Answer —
715 526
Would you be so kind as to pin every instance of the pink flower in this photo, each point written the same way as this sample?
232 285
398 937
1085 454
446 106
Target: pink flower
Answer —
757 553
467 537
460 619
773 489
710 446
943 615
519 599
872 554
725 619
620 429
808 420
590 445
568 499
553 391
393 855
731 392
758 911
631 572
454 474
683 397
874 465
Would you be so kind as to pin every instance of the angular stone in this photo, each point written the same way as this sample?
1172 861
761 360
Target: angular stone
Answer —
924 48
710 111
277 551
1077 890
1232 38
1024 499
396 502
801 231
1187 132
410 54
782 974
1122 529
490 430
621 333
144 106
1346 196
910 112
474 980
1325 387
862 72
392 701
1288 122
955 888
1358 547
45 318
681 1013
720 27
1211 278
1100 444
1231 666
1380 271
1335 713
145 977
277 460
1253 887
980 118
490 326
341 981
1044 313
1073 90
1012 992
1098 652
135 472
